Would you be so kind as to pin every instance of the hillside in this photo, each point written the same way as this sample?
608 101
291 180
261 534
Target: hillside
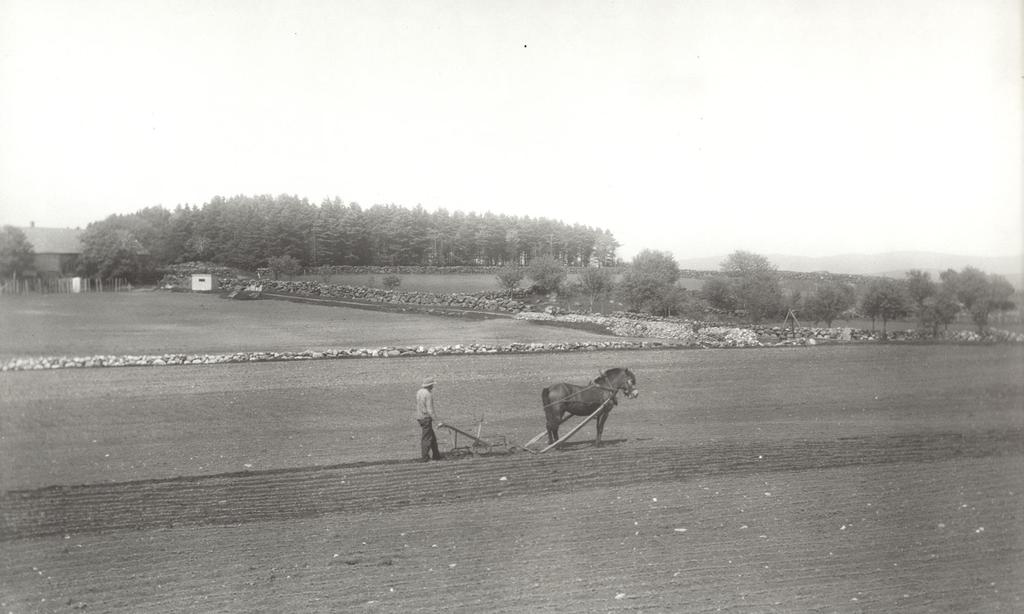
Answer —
892 264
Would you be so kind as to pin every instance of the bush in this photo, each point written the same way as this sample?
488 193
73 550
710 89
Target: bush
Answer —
649 284
595 282
547 274
284 265
509 278
829 299
391 281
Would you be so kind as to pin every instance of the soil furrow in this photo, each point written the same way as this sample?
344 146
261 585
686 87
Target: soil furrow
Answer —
235 499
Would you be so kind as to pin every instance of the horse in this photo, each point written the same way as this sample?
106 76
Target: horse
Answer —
584 400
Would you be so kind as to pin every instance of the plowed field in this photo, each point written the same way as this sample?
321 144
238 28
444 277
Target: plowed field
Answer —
844 478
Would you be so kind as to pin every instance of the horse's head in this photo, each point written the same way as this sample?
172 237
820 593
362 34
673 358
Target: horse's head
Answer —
622 379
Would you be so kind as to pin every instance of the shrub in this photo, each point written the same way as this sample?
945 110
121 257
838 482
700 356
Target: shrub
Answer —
649 284
547 274
284 265
509 278
595 282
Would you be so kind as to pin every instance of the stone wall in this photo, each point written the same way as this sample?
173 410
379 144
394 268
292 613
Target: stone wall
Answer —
710 334
161 360
493 301
415 270
678 330
674 335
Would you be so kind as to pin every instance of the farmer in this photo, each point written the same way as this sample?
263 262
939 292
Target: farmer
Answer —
425 416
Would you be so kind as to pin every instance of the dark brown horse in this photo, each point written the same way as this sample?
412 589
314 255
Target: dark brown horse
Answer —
584 400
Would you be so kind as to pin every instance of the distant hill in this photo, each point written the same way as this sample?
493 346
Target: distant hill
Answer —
890 264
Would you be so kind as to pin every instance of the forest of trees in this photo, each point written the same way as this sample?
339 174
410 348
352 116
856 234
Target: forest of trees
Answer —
246 232
286 233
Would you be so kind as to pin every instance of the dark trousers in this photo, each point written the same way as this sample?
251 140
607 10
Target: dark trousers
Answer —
428 440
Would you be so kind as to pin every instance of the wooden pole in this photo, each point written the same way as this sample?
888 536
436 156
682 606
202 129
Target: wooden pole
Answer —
462 432
544 432
572 432
537 437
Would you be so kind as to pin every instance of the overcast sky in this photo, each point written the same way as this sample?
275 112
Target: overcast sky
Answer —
806 127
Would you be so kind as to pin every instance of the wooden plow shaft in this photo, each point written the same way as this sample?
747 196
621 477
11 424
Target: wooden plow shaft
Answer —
526 446
462 432
572 432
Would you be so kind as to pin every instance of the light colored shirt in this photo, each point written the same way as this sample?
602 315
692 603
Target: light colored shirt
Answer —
424 404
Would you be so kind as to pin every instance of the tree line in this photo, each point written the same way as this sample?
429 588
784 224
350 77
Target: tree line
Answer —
749 287
282 232
246 232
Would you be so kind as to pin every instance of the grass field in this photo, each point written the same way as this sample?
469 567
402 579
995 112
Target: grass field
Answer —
419 282
166 322
836 478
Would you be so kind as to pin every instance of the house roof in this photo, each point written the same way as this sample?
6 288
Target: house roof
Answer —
54 240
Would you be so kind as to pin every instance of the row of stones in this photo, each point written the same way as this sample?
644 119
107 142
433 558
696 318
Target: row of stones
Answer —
765 331
684 331
707 335
991 335
65 362
643 324
416 270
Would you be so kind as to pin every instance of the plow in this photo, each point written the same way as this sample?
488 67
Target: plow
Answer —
475 444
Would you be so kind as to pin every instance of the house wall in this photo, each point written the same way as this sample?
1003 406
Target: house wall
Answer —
46 264
55 265
68 264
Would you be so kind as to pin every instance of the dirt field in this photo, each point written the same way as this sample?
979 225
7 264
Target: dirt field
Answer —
840 478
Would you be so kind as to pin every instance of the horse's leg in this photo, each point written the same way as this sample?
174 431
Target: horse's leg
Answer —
600 426
554 415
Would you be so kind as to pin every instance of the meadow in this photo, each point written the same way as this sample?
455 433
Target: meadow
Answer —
154 322
853 478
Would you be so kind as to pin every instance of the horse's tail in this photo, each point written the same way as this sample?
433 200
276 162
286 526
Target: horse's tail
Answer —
545 397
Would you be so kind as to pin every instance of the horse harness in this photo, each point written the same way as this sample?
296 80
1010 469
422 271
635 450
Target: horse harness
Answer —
594 384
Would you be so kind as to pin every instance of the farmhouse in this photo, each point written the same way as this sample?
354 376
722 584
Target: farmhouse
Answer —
56 250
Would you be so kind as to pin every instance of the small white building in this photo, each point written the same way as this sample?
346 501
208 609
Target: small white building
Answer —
204 282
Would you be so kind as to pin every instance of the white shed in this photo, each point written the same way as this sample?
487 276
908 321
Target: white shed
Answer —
204 282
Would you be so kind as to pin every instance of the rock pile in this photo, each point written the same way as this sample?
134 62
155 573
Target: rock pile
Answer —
706 334
689 333
716 336
64 362
992 335
780 334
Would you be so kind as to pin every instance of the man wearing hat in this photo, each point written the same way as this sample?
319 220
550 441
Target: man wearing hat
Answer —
425 416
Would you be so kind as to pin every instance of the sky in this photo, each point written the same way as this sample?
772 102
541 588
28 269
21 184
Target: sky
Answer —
803 127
